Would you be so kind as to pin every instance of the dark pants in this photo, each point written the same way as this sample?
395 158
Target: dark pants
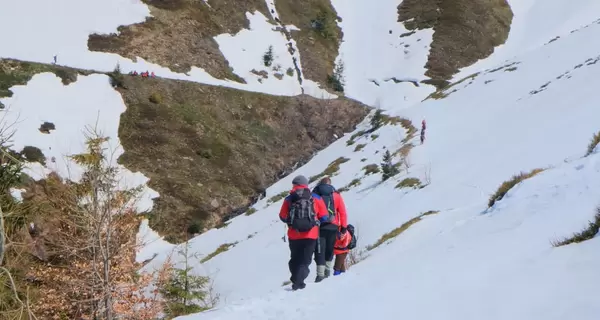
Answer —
324 251
301 252
340 262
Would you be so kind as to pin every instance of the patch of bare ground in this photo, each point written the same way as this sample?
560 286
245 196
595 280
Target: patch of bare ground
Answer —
319 36
210 151
14 72
465 31
180 34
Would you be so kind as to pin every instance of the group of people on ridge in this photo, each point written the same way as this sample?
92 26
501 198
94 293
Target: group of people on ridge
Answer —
317 224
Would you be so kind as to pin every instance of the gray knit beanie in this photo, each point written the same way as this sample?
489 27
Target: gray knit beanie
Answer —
300 180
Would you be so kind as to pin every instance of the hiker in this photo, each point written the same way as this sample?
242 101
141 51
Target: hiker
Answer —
152 75
423 127
343 244
336 220
301 211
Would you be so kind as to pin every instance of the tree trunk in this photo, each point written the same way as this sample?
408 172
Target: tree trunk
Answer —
2 236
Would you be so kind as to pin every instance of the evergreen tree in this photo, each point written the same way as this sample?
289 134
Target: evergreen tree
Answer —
388 169
336 81
268 57
377 120
185 292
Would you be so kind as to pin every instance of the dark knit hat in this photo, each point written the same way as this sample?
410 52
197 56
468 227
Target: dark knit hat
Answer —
300 180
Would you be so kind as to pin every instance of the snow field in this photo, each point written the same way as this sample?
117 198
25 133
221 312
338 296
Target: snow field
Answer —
66 30
87 103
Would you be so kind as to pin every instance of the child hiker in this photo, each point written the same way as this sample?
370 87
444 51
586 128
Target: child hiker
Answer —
344 242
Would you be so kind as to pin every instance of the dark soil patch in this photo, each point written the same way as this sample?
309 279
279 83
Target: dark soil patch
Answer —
180 34
209 151
465 31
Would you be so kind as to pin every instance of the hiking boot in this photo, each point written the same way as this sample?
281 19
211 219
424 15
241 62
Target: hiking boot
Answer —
298 286
319 279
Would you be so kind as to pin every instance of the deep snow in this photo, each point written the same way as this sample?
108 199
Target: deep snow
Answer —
466 262
88 103
463 264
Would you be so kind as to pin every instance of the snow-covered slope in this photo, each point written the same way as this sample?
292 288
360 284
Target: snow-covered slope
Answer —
29 33
532 104
460 263
527 107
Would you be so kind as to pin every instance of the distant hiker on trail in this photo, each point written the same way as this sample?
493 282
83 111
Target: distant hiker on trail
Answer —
344 243
423 127
152 75
55 57
301 211
335 221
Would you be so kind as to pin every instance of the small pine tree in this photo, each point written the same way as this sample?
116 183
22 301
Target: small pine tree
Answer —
336 81
387 167
377 119
268 57
116 77
184 292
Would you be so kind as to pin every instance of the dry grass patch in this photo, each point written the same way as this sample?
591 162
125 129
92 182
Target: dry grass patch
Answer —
586 234
509 184
250 211
593 144
371 169
14 72
352 184
359 147
331 169
186 25
210 151
278 196
222 248
465 31
409 183
411 130
396 232
33 154
444 92
404 151
378 120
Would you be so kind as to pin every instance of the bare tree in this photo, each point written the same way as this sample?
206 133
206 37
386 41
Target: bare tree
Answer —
91 269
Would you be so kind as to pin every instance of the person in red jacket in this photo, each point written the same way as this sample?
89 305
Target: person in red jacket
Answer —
301 211
337 220
341 252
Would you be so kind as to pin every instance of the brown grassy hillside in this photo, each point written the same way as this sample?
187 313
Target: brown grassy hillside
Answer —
187 25
465 31
210 150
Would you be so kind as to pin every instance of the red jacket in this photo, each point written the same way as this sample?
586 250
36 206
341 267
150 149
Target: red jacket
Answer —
341 217
320 211
341 243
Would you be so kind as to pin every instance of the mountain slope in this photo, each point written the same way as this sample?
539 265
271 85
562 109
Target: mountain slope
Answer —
462 264
536 110
429 240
